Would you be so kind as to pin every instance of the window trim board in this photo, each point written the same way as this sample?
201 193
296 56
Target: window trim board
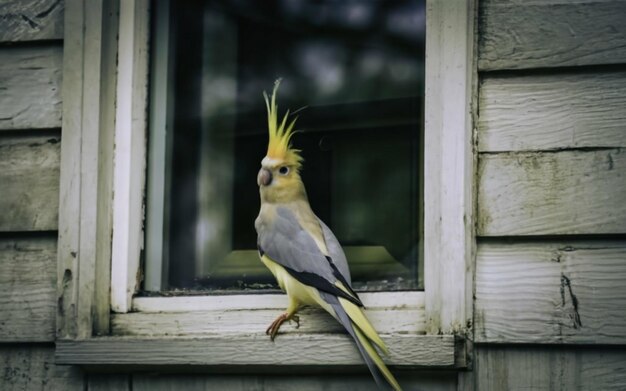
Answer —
87 189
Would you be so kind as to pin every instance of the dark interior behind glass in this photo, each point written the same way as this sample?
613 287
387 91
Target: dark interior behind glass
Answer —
354 73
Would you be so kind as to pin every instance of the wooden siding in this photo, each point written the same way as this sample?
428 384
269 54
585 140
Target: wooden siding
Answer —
31 20
552 193
551 368
518 34
27 289
32 368
552 111
288 381
29 174
549 292
30 83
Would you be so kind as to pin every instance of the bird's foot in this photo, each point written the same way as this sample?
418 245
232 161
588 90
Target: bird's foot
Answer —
296 319
273 328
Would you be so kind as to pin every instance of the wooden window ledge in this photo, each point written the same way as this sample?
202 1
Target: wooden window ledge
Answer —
429 351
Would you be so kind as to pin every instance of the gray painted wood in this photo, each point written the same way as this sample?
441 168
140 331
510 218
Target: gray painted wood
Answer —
29 174
85 191
551 292
291 381
27 289
450 89
32 368
555 193
256 349
111 382
31 20
552 111
30 87
196 323
517 34
549 368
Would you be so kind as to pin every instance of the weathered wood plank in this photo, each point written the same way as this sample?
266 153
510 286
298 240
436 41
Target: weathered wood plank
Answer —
291 381
29 178
27 289
85 182
518 34
549 368
31 20
32 368
30 87
296 350
218 322
371 300
556 193
449 162
547 292
539 112
389 312
110 382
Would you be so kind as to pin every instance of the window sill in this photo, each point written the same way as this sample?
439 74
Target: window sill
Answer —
230 331
302 350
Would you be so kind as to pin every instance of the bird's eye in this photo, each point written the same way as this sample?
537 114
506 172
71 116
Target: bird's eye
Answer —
284 170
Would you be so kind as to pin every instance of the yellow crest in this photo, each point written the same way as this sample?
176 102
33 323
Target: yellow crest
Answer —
279 146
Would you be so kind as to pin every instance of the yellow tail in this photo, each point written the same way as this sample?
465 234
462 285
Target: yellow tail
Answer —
366 334
377 359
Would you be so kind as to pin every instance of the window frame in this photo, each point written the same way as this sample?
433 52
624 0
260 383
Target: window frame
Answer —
103 168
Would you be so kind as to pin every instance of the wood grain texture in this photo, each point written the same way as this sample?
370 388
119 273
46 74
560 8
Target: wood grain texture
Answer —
222 322
544 112
32 368
31 20
111 382
291 381
549 368
27 289
520 34
449 162
295 350
29 178
30 87
548 292
389 312
556 193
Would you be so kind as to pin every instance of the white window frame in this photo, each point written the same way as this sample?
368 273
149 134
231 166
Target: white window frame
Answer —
101 217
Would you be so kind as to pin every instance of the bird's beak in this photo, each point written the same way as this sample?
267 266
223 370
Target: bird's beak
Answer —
264 178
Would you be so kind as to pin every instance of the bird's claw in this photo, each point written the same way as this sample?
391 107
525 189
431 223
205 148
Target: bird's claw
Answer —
296 319
273 328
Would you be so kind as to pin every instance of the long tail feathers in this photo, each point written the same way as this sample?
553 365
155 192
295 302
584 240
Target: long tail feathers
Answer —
360 329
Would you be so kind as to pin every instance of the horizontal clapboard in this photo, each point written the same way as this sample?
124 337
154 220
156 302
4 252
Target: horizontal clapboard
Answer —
29 178
549 368
552 193
27 289
516 34
30 87
549 292
552 111
31 20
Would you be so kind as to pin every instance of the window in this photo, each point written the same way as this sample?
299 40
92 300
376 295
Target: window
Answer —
354 71
101 211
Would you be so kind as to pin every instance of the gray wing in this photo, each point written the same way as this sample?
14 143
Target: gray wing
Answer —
336 252
288 244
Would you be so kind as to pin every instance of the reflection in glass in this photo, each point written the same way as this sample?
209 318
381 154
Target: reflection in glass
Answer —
354 73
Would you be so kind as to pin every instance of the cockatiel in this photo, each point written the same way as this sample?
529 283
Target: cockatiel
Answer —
302 252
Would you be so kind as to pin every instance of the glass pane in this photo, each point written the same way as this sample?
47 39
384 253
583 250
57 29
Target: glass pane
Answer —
354 71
